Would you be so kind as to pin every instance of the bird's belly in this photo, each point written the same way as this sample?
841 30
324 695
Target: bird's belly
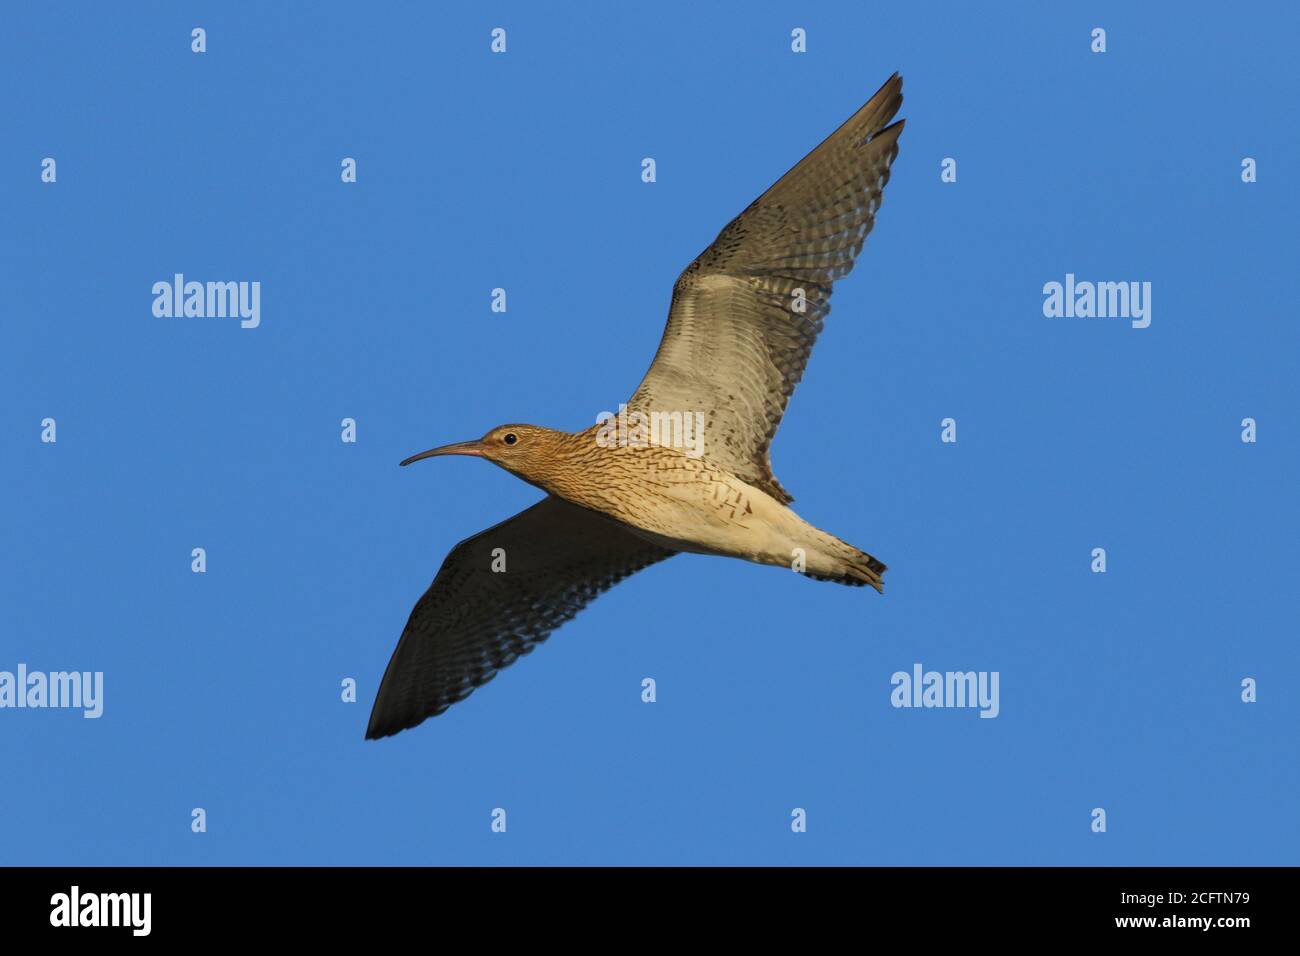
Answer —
719 515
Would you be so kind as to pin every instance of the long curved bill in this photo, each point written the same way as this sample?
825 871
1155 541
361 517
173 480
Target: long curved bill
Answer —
474 448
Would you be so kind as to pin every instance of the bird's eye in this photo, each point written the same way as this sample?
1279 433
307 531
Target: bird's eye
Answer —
510 438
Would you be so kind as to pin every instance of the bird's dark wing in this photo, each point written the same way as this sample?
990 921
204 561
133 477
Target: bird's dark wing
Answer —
473 621
737 343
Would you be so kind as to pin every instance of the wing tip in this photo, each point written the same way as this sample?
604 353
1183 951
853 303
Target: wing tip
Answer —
388 725
378 730
885 103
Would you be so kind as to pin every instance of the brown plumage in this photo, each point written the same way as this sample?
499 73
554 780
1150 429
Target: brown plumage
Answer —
744 317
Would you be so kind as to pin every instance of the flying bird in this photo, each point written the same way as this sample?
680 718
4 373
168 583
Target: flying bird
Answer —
743 320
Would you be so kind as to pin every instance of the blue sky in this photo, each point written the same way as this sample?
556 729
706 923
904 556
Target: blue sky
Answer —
1119 690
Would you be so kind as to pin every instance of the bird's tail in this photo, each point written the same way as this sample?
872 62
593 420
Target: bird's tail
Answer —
854 568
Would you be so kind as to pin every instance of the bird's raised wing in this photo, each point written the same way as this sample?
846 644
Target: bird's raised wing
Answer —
473 620
739 330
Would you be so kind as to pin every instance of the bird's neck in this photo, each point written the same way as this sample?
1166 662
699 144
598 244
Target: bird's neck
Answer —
575 468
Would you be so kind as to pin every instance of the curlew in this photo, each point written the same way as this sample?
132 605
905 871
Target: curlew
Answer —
743 320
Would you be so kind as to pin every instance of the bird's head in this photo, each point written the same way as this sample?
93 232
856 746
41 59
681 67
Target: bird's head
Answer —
523 450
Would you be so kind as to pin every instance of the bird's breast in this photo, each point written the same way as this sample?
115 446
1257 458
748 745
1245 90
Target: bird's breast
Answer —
674 498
